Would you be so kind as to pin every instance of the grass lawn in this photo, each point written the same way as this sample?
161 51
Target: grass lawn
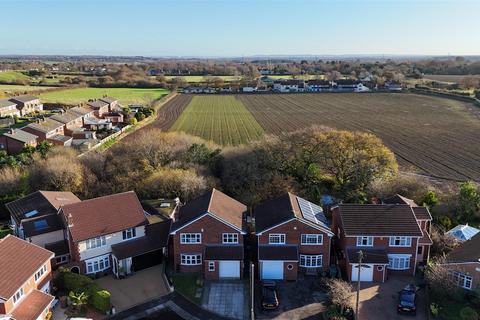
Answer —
20 123
13 76
124 95
186 284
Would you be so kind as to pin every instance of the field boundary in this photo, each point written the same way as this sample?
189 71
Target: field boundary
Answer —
446 95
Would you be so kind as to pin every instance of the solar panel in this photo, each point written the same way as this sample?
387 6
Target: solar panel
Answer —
40 224
311 211
31 213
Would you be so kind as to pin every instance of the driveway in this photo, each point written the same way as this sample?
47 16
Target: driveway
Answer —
298 300
143 286
226 298
379 301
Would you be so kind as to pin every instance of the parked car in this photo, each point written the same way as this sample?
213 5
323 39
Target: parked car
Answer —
269 295
407 300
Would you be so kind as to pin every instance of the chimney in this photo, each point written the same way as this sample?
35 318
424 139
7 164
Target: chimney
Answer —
12 131
70 220
174 216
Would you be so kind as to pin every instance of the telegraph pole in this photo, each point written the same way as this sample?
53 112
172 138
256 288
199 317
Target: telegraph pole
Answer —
252 292
360 259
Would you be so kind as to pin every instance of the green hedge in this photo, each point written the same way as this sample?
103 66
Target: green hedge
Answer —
5 232
101 300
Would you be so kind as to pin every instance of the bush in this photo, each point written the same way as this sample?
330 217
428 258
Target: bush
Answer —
133 121
434 309
76 282
101 300
468 313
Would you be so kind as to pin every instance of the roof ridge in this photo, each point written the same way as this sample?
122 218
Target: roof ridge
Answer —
102 197
210 201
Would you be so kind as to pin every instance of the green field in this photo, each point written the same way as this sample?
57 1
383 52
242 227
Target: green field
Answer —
8 89
9 76
196 79
222 119
124 95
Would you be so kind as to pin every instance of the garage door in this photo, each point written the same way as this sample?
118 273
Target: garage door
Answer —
366 274
229 269
147 260
272 270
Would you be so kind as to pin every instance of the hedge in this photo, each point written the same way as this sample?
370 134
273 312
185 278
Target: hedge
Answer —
101 300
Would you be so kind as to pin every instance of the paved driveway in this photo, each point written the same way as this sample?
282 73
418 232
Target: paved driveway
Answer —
226 298
141 287
379 301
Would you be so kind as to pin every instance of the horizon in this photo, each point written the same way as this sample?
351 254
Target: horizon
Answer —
221 29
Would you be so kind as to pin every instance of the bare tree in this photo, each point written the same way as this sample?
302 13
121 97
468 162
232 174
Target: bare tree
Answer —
341 293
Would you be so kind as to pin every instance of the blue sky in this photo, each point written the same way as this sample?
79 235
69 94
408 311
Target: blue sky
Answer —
239 27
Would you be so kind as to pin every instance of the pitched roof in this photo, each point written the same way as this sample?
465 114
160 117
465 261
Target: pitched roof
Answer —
369 255
215 203
32 306
19 260
463 232
59 248
21 135
108 99
97 104
24 98
468 251
422 213
378 220
286 207
224 252
278 252
66 117
399 199
40 203
45 125
40 225
105 215
80 111
6 103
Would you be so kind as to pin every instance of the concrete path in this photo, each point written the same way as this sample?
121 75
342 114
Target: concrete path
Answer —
227 298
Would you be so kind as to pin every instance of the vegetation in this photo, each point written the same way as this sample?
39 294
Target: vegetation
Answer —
186 284
222 119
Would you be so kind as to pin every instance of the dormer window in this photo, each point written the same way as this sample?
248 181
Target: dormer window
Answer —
128 234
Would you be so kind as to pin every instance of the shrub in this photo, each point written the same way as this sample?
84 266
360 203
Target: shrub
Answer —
101 300
468 313
76 282
133 121
434 309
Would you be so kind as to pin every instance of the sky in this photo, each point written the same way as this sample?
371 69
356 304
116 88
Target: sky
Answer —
235 28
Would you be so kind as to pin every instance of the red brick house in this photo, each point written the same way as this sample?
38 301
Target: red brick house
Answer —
293 237
25 274
15 140
388 235
49 130
464 263
99 107
207 236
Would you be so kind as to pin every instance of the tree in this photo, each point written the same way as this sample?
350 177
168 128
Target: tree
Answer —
43 148
442 243
11 182
79 300
442 287
468 201
341 293
430 199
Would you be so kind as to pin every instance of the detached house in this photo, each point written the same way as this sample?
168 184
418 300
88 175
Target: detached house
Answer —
8 108
464 264
15 140
288 85
27 104
71 120
293 237
25 274
111 233
208 236
99 107
49 130
388 235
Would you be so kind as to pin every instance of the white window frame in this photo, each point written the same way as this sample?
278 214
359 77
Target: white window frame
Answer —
211 266
400 242
190 238
229 237
311 239
280 236
190 259
462 280
98 264
39 274
360 241
311 261
96 242
399 261
128 234
18 296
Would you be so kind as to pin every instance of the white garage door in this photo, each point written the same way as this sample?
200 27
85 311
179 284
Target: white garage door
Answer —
229 269
366 274
272 270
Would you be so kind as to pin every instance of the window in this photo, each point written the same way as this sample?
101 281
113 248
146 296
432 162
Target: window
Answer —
211 266
61 259
400 241
461 279
98 264
309 239
398 262
365 241
191 259
420 250
229 237
128 234
276 238
310 261
187 238
40 272
17 295
96 242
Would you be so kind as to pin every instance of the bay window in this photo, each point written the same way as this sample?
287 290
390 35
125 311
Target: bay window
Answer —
310 261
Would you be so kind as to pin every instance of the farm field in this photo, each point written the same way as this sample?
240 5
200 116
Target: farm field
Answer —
222 119
196 79
9 76
446 77
436 136
9 89
124 95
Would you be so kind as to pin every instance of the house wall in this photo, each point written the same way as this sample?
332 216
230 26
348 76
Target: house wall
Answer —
45 238
111 239
13 146
9 111
469 269
211 230
42 136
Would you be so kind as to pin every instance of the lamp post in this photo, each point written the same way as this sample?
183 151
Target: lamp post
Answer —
360 259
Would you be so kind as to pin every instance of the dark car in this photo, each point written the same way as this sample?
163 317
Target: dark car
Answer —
269 295
407 300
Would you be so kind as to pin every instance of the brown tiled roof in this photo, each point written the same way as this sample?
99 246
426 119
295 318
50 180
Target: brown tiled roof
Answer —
422 213
59 248
97 104
399 199
45 125
66 117
369 255
19 260
104 215
32 306
224 252
378 220
425 239
24 98
215 203
278 252
468 251
80 111
108 99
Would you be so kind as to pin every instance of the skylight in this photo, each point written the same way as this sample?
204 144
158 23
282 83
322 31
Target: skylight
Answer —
40 224
31 213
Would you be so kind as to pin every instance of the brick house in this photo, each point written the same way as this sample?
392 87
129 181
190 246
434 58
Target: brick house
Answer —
25 274
8 108
27 104
112 234
293 238
207 236
388 235
15 140
35 219
112 102
49 130
464 263
71 121
99 107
